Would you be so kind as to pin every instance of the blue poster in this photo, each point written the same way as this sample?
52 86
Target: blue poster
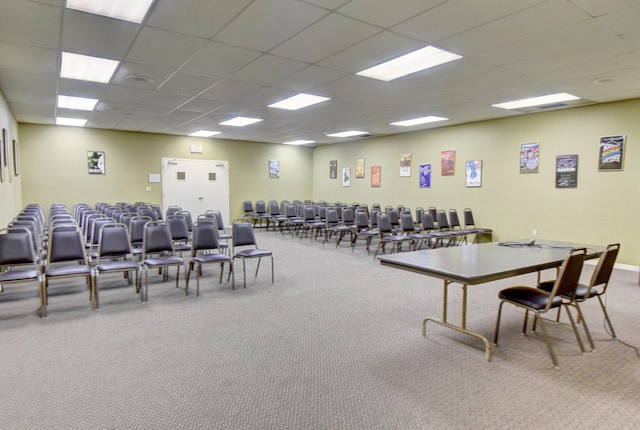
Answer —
425 176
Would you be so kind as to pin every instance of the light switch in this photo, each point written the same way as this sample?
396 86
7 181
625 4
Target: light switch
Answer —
148 188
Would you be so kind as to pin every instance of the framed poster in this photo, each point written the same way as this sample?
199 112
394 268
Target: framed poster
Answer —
405 164
333 169
359 167
2 169
95 162
16 158
425 176
474 173
447 162
375 176
529 157
611 153
567 171
346 177
274 169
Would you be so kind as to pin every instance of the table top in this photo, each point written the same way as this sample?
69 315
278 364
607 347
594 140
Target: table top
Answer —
486 262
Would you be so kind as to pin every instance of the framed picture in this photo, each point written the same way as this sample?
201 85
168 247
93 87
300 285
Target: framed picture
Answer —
473 176
375 176
274 168
5 148
333 169
447 162
405 164
16 158
611 153
567 171
425 176
346 177
529 157
95 162
2 169
359 168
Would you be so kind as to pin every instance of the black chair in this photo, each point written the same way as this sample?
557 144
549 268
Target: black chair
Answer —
386 234
205 250
597 286
114 256
454 223
480 232
18 261
453 236
66 258
243 237
157 247
426 233
539 301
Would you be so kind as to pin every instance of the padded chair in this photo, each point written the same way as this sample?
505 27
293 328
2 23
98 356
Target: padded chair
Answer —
333 225
136 233
539 301
597 286
222 233
18 261
310 223
362 229
454 236
114 256
293 222
205 249
386 234
426 233
158 253
276 218
243 237
179 233
454 224
261 214
480 232
66 258
172 210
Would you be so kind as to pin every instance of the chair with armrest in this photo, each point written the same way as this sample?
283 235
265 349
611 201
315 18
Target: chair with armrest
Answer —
18 261
539 302
205 249
158 253
245 247
66 258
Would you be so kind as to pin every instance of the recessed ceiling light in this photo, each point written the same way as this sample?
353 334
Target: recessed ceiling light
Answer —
349 133
71 121
241 121
416 121
407 64
79 103
86 68
299 142
537 101
299 101
139 78
127 10
601 81
205 133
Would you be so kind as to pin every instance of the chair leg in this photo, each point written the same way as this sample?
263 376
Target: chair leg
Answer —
606 317
258 267
497 329
543 328
272 276
575 330
43 299
244 274
94 292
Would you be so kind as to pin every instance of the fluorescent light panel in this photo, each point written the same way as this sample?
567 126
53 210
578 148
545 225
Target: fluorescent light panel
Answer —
241 121
86 68
71 121
299 142
204 133
126 10
78 103
407 64
417 121
349 133
537 101
299 101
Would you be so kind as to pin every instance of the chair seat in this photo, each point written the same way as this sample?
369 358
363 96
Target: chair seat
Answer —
119 266
583 291
163 261
178 247
68 270
253 253
396 238
18 275
533 298
211 258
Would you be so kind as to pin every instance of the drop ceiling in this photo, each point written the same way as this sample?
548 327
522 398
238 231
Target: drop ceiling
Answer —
193 64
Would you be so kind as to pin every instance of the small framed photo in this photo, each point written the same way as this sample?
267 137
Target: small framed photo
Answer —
333 169
405 164
474 173
611 153
95 162
375 176
529 157
447 162
274 168
359 168
346 177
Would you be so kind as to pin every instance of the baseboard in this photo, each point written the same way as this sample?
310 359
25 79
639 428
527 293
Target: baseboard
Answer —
629 267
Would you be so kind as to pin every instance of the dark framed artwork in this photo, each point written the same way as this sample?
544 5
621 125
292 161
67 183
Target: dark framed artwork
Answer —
16 158
611 153
333 169
95 162
567 171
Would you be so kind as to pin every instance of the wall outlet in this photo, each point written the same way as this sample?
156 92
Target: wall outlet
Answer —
534 233
148 189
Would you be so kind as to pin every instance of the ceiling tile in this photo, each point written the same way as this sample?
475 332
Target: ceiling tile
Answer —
29 23
163 48
27 58
133 75
268 69
378 12
229 90
187 84
622 22
207 60
308 78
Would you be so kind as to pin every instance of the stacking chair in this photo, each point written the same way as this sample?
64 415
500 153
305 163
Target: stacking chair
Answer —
480 232
454 224
334 226
386 234
179 233
136 233
172 210
205 250
597 286
454 236
310 223
158 253
148 212
66 258
436 237
276 218
222 233
539 302
426 233
362 229
261 214
18 261
292 221
188 219
243 237
114 256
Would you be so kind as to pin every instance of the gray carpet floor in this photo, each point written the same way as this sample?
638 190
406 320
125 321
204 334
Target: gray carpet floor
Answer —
334 343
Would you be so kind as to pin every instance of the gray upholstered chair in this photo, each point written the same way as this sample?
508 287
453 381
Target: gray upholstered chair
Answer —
245 247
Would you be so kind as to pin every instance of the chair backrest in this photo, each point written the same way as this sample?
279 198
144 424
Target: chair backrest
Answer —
393 217
172 210
16 247
384 224
374 216
427 222
331 217
148 212
309 213
247 206
125 219
434 212
114 240
261 207
178 228
443 222
274 207
468 218
158 211
569 274
157 238
205 236
406 222
602 272
362 220
454 221
187 218
136 228
32 228
219 221
97 226
419 211
243 233
66 244
290 211
347 216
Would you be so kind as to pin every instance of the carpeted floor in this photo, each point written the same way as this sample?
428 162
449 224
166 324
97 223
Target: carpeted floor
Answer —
334 343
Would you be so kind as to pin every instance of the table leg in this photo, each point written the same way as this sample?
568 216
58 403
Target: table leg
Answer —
462 328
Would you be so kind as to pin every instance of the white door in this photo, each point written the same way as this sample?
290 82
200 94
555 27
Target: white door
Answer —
196 186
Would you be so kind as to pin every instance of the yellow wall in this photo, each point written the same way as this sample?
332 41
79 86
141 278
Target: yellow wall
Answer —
55 166
603 208
10 189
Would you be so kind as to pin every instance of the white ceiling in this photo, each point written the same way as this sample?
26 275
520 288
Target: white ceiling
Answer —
211 60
